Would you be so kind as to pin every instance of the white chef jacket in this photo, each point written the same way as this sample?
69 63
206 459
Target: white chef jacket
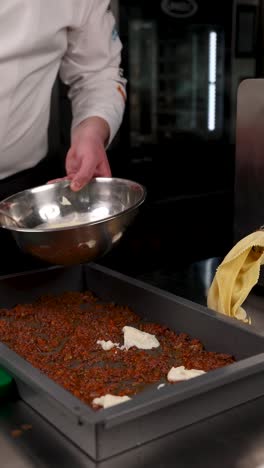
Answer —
38 39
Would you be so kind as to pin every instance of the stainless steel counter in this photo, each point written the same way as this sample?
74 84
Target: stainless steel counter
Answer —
234 439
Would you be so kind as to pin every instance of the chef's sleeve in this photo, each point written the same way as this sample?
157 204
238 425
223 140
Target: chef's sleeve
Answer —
91 68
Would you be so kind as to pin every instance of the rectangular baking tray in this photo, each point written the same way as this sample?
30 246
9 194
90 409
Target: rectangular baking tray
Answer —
153 413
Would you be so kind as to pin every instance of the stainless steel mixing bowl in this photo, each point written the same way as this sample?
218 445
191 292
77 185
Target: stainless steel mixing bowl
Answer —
95 218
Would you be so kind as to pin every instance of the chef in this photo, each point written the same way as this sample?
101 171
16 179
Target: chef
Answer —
38 40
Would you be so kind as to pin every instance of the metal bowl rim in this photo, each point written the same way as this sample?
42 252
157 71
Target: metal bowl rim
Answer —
92 223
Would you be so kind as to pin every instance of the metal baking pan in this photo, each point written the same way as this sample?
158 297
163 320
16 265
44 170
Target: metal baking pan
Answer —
153 413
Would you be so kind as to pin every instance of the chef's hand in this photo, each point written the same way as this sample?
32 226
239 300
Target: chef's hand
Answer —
87 157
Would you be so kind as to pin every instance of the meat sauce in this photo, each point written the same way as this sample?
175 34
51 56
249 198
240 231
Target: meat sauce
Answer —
59 334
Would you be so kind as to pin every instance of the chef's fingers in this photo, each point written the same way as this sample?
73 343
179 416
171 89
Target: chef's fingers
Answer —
103 169
54 181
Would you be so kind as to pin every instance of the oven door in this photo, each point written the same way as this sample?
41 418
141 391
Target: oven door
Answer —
177 58
183 60
178 65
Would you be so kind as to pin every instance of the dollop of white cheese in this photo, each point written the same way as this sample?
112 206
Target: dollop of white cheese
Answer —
107 345
65 201
138 338
110 400
161 386
180 373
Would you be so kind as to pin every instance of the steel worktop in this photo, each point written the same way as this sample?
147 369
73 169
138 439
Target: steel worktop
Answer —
232 439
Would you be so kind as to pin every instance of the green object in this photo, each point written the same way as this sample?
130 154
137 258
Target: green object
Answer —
6 382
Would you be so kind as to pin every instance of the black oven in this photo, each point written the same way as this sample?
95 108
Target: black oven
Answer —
184 60
177 62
